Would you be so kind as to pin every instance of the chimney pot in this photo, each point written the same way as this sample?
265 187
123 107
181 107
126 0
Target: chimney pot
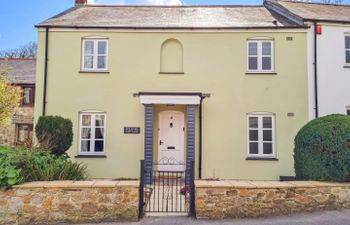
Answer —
80 2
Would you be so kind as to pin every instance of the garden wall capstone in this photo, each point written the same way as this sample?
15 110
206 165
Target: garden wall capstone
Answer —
238 199
69 202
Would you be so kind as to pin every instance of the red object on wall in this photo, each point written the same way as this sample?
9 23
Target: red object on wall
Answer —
318 29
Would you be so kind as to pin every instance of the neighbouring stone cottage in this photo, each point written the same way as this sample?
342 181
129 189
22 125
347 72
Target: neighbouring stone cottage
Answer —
22 74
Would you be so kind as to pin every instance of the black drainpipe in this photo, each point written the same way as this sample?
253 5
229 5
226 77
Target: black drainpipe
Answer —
315 69
200 140
45 70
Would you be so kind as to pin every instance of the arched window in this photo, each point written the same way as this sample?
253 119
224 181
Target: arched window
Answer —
171 57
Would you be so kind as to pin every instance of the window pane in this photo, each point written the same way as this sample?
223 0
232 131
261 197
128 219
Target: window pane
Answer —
26 95
85 146
266 48
23 133
86 133
267 122
348 112
253 122
86 120
253 148
267 148
99 132
347 56
99 122
88 62
101 62
267 135
253 48
89 47
253 63
266 63
253 135
347 42
99 146
102 47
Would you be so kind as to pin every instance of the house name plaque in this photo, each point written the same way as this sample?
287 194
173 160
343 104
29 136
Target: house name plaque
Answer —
132 130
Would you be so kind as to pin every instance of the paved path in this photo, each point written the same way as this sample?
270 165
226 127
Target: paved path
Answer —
320 218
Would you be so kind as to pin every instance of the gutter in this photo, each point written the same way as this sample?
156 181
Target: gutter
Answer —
45 69
315 70
174 28
200 139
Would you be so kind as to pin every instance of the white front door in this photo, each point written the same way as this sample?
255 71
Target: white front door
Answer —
171 137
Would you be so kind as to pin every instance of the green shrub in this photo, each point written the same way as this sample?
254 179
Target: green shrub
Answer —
322 149
19 165
55 133
9 173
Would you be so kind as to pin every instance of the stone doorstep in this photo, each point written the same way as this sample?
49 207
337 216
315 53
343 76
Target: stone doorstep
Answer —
265 184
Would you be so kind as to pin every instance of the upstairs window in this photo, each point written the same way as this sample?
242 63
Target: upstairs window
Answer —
261 135
28 94
95 54
92 133
260 56
347 49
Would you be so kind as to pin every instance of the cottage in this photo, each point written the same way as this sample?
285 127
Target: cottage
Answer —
21 74
223 86
328 52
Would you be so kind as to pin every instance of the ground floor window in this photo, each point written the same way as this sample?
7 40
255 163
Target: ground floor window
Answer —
24 133
261 135
92 133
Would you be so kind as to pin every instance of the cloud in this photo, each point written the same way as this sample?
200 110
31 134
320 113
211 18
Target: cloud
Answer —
135 2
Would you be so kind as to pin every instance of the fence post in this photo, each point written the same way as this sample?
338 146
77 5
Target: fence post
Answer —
141 189
192 190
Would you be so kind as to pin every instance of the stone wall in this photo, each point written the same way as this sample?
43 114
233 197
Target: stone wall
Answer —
237 199
70 202
23 115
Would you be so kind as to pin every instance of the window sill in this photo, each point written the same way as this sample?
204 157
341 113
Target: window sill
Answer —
90 156
94 71
170 73
260 73
261 159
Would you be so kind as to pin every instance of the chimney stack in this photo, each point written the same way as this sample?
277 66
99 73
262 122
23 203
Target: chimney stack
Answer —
80 2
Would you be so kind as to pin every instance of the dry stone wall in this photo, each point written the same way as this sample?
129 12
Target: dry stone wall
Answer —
238 199
69 202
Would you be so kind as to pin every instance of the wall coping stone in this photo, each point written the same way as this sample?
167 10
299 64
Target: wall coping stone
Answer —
78 184
265 184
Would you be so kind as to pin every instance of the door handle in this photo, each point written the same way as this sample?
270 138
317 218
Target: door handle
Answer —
160 142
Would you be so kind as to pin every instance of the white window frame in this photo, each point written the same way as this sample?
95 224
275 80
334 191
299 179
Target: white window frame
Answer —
95 54
92 126
260 129
346 49
260 56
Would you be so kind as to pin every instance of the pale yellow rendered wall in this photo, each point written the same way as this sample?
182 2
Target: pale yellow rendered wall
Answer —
214 63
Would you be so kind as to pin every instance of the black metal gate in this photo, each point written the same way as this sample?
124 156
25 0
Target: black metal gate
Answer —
166 191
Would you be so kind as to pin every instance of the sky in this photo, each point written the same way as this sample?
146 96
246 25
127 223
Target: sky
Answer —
18 17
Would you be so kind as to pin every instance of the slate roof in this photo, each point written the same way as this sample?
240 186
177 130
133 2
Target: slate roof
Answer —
22 71
168 17
317 11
